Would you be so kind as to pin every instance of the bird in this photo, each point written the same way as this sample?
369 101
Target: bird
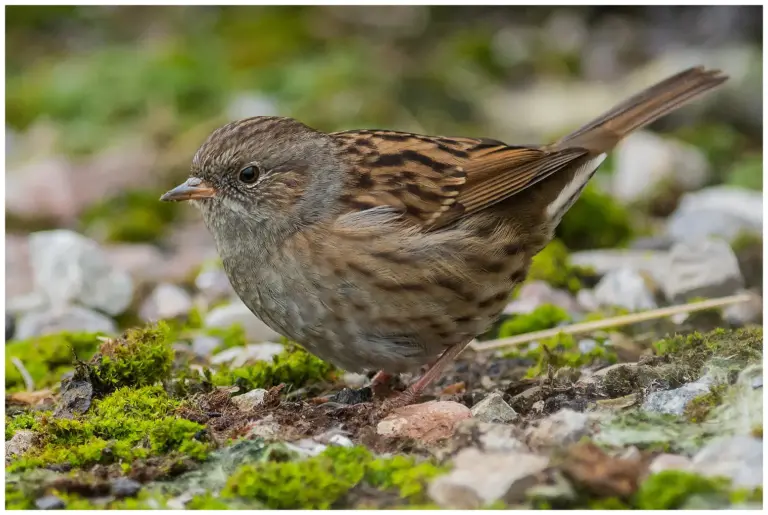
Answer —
380 250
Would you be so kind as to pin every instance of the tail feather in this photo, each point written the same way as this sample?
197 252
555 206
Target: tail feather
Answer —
601 134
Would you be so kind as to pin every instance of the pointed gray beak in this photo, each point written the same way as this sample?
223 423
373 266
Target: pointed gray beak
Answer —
193 188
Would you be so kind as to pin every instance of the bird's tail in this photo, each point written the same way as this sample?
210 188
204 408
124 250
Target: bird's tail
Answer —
604 132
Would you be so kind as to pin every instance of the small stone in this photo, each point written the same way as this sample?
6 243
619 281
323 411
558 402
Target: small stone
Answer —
75 399
354 380
625 288
645 162
238 313
213 283
587 345
669 462
493 437
535 293
166 301
204 345
69 267
350 396
69 318
41 189
603 261
49 502
239 356
559 429
723 211
674 401
743 313
250 400
494 409
739 458
267 428
701 268
481 478
124 487
20 442
428 422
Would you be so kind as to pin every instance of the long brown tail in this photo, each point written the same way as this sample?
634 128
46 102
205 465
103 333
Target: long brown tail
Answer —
603 133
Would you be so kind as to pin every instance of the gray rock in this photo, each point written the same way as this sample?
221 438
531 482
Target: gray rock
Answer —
213 283
481 478
165 301
238 313
203 345
535 293
669 462
674 401
625 288
75 399
492 437
49 502
69 318
743 313
723 211
739 458
493 409
249 400
239 356
701 268
562 428
68 268
587 345
21 441
645 162
603 261
124 487
42 188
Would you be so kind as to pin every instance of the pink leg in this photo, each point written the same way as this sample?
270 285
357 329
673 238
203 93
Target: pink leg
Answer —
412 393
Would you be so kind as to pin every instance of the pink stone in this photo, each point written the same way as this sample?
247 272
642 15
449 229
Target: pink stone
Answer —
429 422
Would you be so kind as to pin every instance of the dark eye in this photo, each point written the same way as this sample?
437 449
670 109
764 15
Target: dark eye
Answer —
249 174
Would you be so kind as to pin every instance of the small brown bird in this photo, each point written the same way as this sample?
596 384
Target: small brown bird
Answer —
386 250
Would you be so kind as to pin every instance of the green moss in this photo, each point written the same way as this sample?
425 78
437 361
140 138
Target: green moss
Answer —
46 358
126 425
321 482
233 336
670 489
206 501
609 503
699 407
131 216
545 316
143 356
403 474
315 483
553 266
747 172
294 366
742 346
561 351
19 421
596 220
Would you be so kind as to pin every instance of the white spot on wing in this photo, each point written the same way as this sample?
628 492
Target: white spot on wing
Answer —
570 193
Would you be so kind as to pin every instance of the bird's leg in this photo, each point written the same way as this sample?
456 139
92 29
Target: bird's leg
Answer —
412 393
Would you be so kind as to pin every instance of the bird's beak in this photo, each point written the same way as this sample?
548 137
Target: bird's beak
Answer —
193 188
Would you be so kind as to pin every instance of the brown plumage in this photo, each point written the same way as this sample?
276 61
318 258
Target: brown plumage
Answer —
387 250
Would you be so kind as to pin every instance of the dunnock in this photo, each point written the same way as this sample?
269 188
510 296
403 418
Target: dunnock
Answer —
385 250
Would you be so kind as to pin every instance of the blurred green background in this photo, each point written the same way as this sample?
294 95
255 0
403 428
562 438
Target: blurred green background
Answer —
115 100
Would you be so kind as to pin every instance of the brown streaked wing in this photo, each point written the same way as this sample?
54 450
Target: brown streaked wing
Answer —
436 180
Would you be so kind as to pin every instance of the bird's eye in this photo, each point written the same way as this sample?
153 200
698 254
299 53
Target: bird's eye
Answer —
249 174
